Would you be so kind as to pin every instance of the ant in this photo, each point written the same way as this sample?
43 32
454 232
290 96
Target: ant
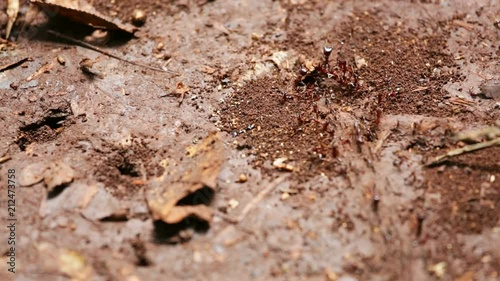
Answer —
341 72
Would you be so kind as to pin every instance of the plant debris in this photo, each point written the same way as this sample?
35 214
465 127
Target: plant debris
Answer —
12 11
99 50
84 14
201 170
492 134
14 64
44 69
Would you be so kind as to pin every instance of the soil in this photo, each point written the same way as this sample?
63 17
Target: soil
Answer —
357 202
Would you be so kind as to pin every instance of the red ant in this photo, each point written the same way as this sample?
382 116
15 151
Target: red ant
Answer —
342 73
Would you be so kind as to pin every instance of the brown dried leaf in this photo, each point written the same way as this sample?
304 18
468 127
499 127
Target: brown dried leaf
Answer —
84 14
201 170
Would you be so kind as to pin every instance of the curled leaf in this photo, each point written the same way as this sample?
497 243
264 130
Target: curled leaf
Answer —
197 183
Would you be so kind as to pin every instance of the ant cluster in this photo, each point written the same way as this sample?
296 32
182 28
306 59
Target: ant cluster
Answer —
341 74
317 87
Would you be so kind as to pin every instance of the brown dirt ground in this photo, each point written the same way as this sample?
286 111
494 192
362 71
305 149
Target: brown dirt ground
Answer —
359 203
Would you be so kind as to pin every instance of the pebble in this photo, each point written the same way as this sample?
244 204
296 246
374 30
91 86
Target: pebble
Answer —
243 178
138 17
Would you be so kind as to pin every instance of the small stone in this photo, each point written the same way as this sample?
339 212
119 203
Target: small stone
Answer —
243 178
438 269
61 60
360 62
280 165
285 196
233 203
138 17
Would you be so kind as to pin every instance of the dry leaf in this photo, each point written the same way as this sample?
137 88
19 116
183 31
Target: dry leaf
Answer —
201 170
84 14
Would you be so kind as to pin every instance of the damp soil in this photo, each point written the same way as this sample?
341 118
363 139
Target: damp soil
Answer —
351 134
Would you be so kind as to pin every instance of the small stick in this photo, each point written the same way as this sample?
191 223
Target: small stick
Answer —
43 69
13 65
12 11
466 149
99 50
254 201
5 159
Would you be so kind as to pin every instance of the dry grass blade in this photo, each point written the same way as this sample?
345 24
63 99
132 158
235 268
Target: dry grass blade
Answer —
99 50
12 11
5 159
14 64
492 134
255 201
466 149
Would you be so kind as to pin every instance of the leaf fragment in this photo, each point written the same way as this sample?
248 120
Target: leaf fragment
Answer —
84 14
200 174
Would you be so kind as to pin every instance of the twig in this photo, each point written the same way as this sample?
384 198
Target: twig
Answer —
4 159
418 89
99 50
466 149
45 68
489 133
254 201
12 11
13 65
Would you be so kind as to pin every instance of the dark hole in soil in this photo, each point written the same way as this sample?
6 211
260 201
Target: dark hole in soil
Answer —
128 169
51 122
179 232
43 130
201 196
56 191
